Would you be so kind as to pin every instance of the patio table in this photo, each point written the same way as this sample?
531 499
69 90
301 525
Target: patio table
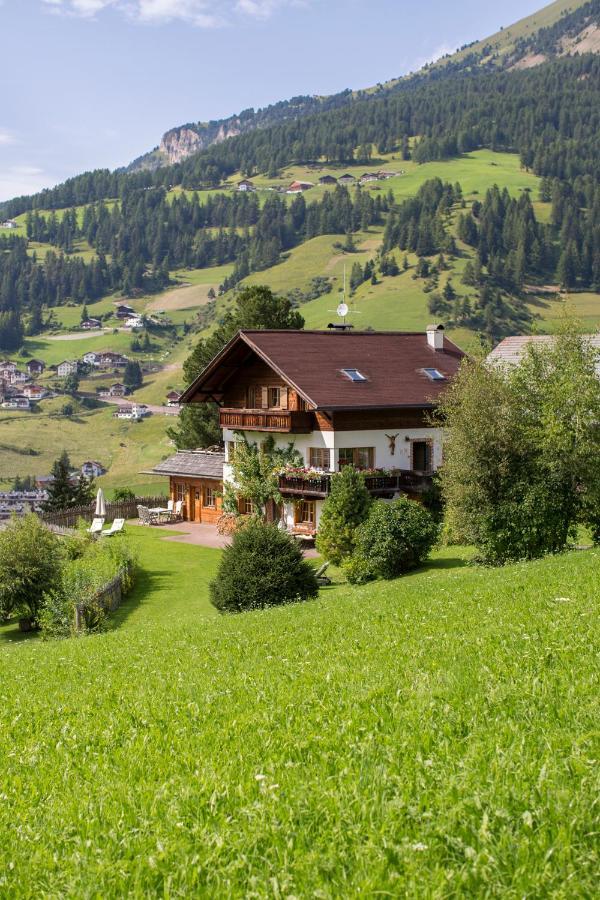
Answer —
159 513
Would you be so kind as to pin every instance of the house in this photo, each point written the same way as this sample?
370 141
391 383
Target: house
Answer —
511 350
298 187
328 180
245 186
195 478
346 179
123 311
9 223
35 367
342 398
368 176
92 469
18 377
106 359
67 367
135 412
34 391
90 358
90 323
115 390
6 369
173 398
135 321
16 402
385 175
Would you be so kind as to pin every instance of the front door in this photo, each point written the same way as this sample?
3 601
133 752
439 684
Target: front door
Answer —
197 495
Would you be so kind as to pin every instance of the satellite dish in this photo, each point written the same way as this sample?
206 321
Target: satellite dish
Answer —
342 310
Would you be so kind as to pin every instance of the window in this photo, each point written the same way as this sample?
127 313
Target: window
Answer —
306 512
353 375
319 458
434 375
246 507
274 398
180 492
210 497
422 456
359 457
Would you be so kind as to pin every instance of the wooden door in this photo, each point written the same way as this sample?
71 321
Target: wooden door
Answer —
197 503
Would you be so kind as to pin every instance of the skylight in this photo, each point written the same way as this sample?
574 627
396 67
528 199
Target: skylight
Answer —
354 375
434 375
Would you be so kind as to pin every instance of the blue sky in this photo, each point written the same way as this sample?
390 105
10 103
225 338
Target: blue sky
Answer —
95 83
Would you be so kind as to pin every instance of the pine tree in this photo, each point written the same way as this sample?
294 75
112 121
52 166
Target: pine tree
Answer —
61 492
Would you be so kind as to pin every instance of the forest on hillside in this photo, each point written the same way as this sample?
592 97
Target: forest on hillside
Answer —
550 115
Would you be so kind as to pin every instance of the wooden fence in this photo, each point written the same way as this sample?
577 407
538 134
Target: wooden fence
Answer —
123 509
108 599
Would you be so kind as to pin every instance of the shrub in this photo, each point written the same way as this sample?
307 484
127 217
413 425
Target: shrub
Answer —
344 510
396 537
30 565
263 567
83 577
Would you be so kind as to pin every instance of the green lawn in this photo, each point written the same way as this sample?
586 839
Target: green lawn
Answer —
435 736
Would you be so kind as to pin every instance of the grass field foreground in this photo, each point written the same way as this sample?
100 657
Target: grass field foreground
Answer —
434 736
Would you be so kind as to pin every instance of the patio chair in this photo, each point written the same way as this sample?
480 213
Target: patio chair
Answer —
143 515
117 527
170 506
96 526
178 509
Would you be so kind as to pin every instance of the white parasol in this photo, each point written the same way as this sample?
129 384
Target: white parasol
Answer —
100 504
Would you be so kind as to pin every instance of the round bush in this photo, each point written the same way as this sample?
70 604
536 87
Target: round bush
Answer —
263 567
396 537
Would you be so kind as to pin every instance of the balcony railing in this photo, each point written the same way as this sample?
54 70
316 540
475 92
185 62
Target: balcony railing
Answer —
283 420
320 485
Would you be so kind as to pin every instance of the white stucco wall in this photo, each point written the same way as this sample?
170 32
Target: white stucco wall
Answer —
384 459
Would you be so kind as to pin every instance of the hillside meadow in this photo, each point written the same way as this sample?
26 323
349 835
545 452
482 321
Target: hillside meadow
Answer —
434 736
394 303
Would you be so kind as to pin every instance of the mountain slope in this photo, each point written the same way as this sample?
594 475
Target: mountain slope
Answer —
565 27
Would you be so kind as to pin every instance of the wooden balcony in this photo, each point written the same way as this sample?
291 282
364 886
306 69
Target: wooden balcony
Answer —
377 485
281 420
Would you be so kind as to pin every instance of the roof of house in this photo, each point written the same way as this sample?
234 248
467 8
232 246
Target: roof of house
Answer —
193 463
511 350
312 362
36 362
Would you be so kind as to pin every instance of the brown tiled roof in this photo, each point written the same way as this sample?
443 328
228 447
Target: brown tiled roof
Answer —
193 464
393 364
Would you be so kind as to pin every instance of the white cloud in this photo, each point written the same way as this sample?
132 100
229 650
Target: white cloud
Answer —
433 57
7 138
202 13
18 180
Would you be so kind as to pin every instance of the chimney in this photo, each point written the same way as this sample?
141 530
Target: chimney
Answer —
435 337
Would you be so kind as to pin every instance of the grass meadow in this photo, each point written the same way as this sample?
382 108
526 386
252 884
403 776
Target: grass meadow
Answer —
434 736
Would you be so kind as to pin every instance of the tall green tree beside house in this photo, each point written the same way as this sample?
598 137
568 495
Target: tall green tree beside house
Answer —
521 465
256 307
61 491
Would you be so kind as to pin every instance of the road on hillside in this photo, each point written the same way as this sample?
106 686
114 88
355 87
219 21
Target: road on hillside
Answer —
156 410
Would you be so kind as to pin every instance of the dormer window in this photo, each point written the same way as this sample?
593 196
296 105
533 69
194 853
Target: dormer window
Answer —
354 375
434 375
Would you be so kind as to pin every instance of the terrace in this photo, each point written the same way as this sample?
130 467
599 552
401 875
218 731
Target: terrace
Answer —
318 484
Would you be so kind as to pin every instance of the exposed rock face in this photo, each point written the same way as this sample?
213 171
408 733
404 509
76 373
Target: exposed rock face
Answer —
179 143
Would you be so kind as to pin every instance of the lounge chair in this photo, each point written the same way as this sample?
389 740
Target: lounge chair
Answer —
96 526
116 528
320 575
